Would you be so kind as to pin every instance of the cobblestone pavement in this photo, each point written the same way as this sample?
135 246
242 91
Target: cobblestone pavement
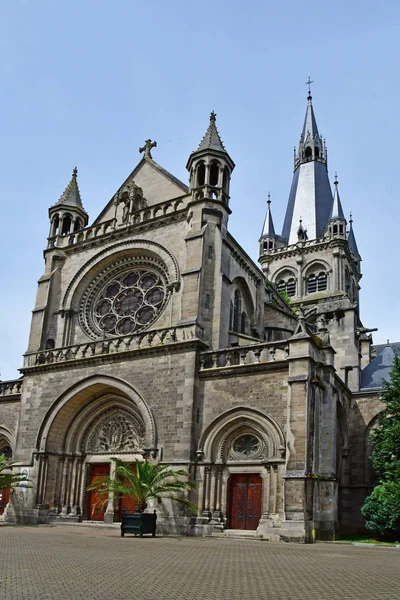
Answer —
65 562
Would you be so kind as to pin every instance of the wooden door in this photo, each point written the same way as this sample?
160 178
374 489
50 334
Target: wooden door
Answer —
125 502
96 506
245 501
4 499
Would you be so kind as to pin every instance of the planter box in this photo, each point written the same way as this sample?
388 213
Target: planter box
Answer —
139 523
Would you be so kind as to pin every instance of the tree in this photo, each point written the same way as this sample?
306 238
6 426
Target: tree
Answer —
381 509
144 482
8 479
385 438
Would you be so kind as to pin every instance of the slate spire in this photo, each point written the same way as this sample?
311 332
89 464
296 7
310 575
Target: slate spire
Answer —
71 195
211 139
310 196
268 229
351 239
337 210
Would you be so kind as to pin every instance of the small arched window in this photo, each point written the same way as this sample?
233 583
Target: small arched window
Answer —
225 180
66 224
308 152
214 172
56 225
201 174
78 225
316 152
237 310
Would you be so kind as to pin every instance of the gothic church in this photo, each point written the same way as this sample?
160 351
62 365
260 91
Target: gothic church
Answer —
156 337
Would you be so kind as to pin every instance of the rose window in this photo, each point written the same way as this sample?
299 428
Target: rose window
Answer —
129 302
247 445
122 301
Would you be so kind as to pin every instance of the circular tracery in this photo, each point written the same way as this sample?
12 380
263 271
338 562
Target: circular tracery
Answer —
124 300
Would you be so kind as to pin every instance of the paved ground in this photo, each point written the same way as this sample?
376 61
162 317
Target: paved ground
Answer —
64 562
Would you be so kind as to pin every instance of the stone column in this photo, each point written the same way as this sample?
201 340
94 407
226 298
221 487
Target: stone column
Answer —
207 486
109 514
76 501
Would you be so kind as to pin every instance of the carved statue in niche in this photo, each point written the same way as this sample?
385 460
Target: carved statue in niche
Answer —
117 433
132 199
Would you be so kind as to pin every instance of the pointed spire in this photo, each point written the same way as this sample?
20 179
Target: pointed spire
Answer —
310 194
351 240
337 210
268 229
310 124
211 140
71 195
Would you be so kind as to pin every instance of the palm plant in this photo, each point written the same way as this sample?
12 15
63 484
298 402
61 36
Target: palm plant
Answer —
143 482
8 479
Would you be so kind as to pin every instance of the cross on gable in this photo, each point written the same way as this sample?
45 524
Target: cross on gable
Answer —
148 145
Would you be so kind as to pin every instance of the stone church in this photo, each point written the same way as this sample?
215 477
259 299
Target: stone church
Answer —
156 337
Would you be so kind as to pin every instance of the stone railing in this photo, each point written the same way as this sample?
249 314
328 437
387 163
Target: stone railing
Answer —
293 247
12 387
139 216
244 355
108 346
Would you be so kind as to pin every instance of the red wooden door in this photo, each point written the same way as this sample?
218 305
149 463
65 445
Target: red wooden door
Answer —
96 506
245 501
125 502
4 498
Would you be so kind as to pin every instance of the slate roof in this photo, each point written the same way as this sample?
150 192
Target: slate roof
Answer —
379 368
211 139
337 210
268 229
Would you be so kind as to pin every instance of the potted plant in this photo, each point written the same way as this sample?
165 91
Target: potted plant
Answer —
143 482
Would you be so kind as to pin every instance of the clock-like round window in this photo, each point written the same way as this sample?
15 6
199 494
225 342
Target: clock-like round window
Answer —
247 445
125 300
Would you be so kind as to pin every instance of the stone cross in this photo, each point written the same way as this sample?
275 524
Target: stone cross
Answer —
148 145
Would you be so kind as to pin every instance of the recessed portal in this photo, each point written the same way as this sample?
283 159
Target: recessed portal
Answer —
245 501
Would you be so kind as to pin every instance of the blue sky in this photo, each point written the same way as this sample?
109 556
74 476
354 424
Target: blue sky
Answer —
85 83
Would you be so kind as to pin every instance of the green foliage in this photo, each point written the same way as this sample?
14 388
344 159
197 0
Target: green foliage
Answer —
283 294
145 481
8 479
381 509
385 438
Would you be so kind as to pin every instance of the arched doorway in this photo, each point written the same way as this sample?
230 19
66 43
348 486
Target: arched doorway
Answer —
94 423
241 464
5 450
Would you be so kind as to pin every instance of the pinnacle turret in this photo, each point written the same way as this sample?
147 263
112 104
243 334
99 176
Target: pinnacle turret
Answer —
210 166
211 139
71 195
268 229
337 210
67 215
351 239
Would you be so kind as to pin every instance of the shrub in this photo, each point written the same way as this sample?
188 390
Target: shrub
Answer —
381 510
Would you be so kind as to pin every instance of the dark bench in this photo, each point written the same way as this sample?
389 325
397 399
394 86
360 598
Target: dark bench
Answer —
138 523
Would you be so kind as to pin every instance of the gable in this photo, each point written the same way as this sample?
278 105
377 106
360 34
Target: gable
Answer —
158 185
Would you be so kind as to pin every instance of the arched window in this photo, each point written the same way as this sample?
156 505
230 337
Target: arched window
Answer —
214 172
317 282
281 285
308 152
78 225
316 152
66 224
56 225
201 174
237 310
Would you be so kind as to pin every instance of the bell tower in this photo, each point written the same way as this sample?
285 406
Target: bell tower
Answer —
67 215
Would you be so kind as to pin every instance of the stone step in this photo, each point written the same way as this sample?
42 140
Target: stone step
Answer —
237 534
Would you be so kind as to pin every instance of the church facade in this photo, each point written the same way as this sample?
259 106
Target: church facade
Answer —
156 337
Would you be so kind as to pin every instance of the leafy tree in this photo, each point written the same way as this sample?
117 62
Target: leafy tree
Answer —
8 479
386 435
381 510
144 482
